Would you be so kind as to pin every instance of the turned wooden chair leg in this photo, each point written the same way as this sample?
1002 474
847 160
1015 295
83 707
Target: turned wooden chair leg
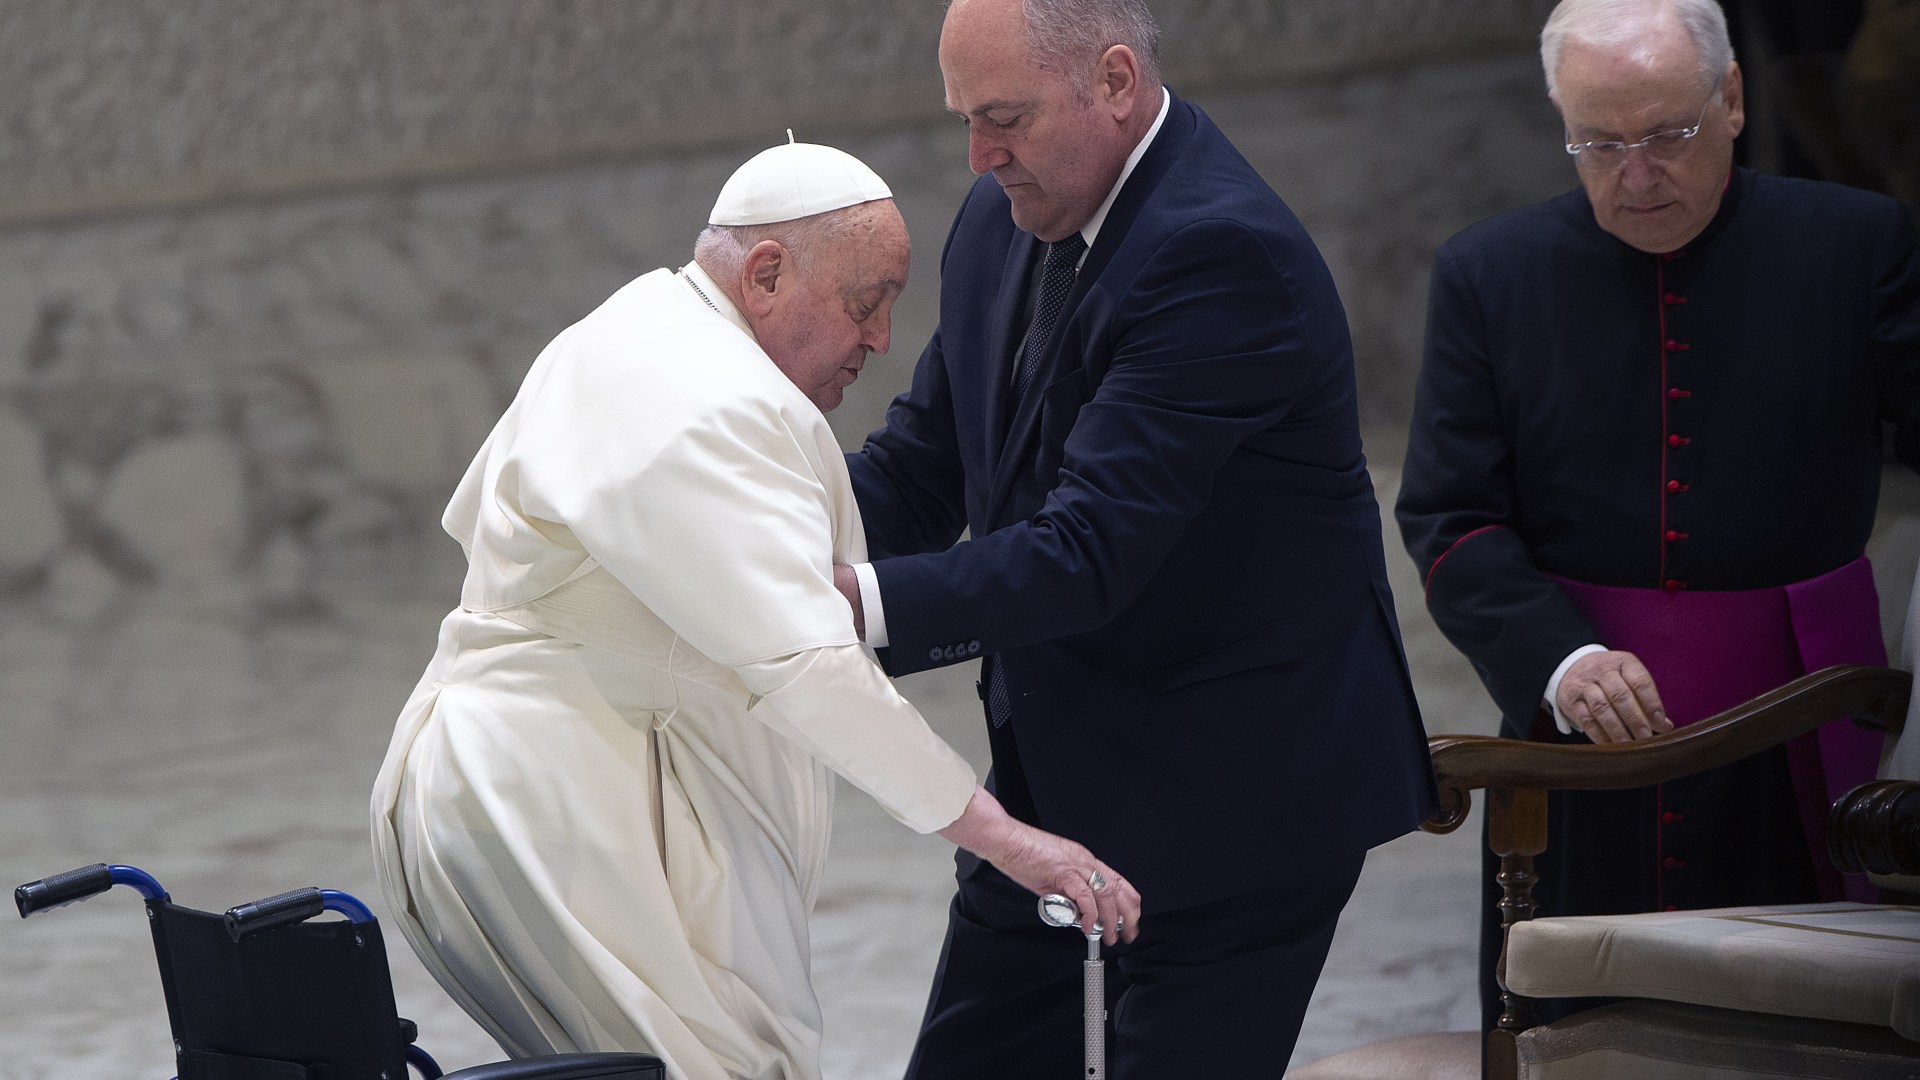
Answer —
1516 831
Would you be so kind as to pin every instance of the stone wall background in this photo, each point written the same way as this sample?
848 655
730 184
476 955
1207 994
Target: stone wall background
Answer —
268 271
121 104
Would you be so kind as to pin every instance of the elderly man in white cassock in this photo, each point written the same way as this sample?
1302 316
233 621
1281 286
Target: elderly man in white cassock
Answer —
603 816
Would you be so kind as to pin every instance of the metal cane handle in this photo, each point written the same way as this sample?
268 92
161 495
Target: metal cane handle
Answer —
1057 910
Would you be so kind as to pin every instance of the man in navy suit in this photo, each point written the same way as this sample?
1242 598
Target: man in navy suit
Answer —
1140 400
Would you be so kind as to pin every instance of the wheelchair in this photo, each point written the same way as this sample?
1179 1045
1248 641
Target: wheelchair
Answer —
265 992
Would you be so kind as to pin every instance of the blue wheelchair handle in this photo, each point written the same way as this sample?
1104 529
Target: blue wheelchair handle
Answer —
421 1060
292 907
77 885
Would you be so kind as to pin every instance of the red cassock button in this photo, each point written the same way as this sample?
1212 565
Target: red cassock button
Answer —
1675 487
1673 907
1678 440
1677 346
1675 394
1668 818
1674 298
1675 585
1674 536
1671 863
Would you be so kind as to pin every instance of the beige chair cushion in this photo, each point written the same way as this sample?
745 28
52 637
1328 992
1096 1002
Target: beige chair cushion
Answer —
1655 1040
1857 963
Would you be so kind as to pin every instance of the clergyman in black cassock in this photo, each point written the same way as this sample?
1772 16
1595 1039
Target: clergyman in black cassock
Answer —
1672 449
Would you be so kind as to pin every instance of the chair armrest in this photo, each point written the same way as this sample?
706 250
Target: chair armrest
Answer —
1875 828
569 1067
1462 763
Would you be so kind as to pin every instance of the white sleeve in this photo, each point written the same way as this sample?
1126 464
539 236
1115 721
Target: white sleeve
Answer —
1552 700
726 533
722 528
837 704
871 611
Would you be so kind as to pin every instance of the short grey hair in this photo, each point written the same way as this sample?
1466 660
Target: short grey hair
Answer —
721 250
1069 36
1616 22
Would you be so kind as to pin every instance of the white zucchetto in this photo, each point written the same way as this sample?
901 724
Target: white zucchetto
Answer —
795 180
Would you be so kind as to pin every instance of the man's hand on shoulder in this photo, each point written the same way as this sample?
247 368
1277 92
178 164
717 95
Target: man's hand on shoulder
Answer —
1609 697
848 583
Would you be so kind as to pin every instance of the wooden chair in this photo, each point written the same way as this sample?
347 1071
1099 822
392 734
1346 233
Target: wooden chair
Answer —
1849 992
1814 1016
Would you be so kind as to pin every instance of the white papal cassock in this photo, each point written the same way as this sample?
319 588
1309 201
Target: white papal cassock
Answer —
602 819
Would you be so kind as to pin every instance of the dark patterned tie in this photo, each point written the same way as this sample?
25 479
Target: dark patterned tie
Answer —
998 706
1056 280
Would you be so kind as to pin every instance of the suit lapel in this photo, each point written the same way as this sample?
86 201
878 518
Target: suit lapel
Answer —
1003 334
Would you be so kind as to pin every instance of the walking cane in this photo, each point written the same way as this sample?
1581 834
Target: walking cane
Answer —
1057 910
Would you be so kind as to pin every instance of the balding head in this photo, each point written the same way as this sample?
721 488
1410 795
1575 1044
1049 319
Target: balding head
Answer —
1053 104
1069 35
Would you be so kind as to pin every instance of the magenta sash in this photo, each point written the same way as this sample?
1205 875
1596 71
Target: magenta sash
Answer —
1709 651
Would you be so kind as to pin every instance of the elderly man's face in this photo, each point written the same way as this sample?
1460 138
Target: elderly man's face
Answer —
1656 199
841 306
1054 155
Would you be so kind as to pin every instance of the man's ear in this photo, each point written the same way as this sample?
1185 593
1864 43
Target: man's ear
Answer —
1116 82
1733 93
762 274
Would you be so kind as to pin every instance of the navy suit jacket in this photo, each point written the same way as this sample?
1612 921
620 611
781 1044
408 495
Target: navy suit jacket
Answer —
1175 548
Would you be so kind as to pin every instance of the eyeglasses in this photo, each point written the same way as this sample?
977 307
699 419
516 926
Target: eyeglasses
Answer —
1661 146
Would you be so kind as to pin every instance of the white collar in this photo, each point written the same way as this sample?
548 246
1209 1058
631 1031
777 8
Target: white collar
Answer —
1091 229
706 289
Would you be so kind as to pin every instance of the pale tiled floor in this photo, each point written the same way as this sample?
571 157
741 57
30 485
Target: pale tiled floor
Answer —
233 761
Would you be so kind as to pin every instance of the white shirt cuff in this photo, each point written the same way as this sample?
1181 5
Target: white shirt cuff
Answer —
1552 700
870 610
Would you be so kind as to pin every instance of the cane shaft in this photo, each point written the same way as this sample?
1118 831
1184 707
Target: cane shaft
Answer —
1094 984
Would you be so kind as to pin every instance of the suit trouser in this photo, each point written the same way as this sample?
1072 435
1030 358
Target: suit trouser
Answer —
1218 989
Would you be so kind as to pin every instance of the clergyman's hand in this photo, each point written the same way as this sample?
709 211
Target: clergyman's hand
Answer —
1042 863
1609 697
848 583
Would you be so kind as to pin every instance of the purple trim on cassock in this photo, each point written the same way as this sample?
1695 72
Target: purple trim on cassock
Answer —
1836 620
1709 651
